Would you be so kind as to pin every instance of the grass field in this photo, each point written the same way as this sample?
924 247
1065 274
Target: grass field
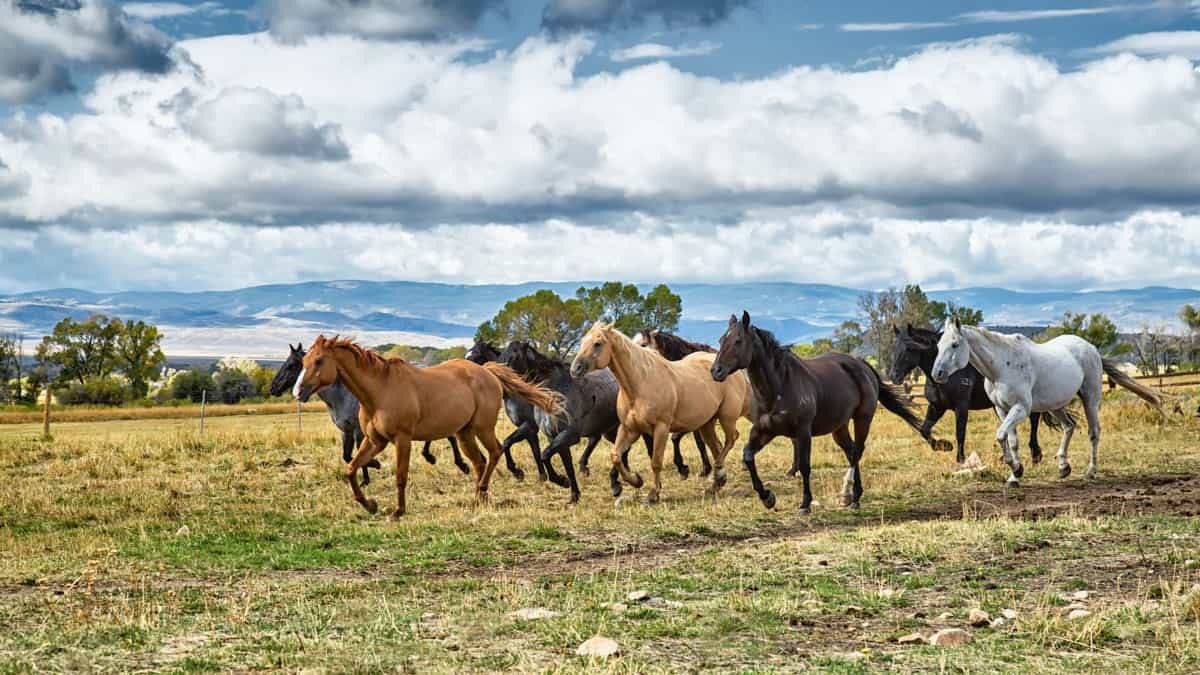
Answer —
137 545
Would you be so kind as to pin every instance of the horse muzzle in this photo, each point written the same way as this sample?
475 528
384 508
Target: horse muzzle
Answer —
940 376
304 393
719 373
579 369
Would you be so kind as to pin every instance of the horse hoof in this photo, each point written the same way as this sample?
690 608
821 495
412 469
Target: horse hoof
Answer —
371 506
1013 483
366 479
429 457
617 489
1019 472
395 516
705 471
650 499
517 473
463 468
1064 471
846 501
637 481
768 500
583 471
574 498
806 510
560 481
719 479
1091 473
1035 455
853 506
792 472
684 471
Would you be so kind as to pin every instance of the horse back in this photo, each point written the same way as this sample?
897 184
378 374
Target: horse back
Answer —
844 387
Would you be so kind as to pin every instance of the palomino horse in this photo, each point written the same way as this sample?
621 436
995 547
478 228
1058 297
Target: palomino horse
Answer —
801 398
962 392
400 403
672 347
659 397
1025 377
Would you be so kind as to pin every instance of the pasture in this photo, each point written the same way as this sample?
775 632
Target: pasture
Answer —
136 545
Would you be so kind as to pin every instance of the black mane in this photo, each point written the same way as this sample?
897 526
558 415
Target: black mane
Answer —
673 348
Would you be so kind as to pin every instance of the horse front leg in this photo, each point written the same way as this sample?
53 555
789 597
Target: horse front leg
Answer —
625 439
366 453
662 433
961 414
587 454
403 443
1006 435
683 469
758 440
706 466
561 445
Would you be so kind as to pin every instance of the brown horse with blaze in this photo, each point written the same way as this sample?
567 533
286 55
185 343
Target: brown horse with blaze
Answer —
401 403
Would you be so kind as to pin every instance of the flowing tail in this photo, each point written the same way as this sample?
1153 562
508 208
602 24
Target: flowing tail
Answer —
514 385
899 405
1149 394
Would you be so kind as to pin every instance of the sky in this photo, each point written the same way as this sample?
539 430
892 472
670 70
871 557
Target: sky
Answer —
215 145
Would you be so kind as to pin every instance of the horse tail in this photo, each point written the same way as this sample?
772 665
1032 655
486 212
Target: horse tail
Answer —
536 394
1148 394
899 405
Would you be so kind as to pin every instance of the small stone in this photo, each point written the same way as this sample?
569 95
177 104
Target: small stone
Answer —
911 639
1010 614
1074 606
945 616
887 593
638 596
978 618
616 607
997 622
600 647
950 637
1191 564
534 613
183 531
1078 614
663 602
1081 595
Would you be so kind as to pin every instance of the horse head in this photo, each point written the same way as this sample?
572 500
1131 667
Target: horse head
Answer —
737 348
954 353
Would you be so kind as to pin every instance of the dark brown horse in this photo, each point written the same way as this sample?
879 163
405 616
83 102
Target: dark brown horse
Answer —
801 398
400 403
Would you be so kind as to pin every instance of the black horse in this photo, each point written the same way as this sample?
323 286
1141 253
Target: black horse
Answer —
343 410
589 411
673 348
963 392
802 398
520 413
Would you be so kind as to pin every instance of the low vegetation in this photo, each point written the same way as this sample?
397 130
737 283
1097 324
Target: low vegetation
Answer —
136 544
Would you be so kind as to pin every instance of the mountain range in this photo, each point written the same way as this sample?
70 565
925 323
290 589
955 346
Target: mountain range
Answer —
257 321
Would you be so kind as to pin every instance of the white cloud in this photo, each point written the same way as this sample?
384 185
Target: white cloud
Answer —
654 50
258 121
151 11
893 27
1012 16
295 20
1185 43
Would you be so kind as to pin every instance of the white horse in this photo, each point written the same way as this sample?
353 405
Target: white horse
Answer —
1023 377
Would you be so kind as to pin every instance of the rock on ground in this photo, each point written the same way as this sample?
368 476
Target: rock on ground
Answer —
950 637
599 646
534 613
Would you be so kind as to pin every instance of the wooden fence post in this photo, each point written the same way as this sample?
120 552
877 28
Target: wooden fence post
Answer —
298 429
46 413
203 401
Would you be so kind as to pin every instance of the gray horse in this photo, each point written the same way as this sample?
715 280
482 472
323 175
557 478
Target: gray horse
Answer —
520 413
343 410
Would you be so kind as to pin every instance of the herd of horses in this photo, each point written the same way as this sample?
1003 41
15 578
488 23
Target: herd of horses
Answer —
658 388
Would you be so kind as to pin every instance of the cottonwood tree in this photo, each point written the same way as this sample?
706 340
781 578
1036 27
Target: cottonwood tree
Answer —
1096 328
81 349
628 310
552 325
138 354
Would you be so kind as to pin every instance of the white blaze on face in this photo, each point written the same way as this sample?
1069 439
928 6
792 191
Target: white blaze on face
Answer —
640 340
296 387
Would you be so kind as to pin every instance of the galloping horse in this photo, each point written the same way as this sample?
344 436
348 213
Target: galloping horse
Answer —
672 347
343 410
1025 377
963 391
519 412
802 398
659 397
400 403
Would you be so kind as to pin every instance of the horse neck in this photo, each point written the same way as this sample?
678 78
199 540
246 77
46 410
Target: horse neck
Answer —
364 383
926 358
629 363
764 373
986 354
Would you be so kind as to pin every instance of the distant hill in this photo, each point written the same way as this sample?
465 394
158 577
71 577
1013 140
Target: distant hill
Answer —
262 318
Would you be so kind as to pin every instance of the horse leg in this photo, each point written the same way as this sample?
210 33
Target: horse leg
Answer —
682 468
561 445
487 436
1035 450
961 414
458 458
933 414
428 455
662 433
802 447
709 432
348 455
366 452
757 441
403 443
587 453
1091 408
707 466
841 436
625 439
470 449
1068 430
521 434
1007 436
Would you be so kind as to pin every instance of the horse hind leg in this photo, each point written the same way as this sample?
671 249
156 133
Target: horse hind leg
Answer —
1091 409
487 435
1068 429
709 433
851 483
729 429
706 466
683 469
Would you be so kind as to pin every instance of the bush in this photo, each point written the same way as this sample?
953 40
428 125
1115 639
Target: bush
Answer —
190 384
94 391
233 385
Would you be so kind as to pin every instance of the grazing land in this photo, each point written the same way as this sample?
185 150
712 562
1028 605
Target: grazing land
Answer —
138 545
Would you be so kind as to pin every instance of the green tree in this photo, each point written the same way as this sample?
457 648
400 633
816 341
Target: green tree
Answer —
628 309
233 385
138 354
1191 320
942 313
260 379
1097 329
847 337
552 325
190 384
81 349
661 309
815 348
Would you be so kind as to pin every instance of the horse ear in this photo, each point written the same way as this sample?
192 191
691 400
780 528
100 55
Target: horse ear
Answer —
745 319
957 324
732 319
895 329
908 329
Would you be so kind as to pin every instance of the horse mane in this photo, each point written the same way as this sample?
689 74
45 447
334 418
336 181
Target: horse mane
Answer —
642 359
364 357
542 365
924 337
770 342
673 347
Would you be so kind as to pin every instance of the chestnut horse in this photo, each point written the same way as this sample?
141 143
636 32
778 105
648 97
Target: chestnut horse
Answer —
659 397
401 403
